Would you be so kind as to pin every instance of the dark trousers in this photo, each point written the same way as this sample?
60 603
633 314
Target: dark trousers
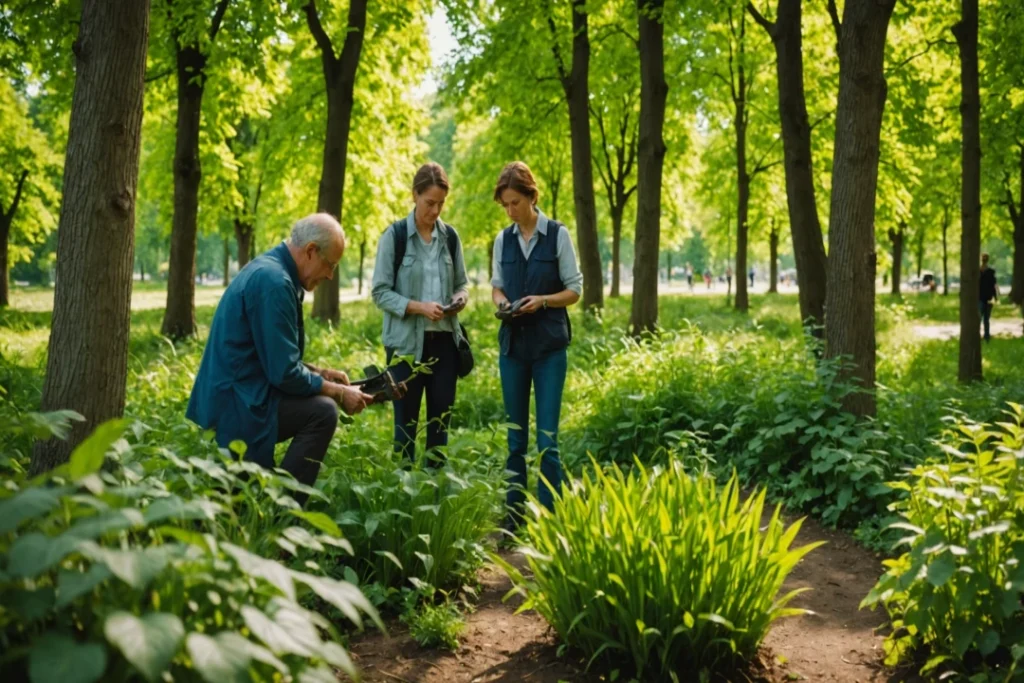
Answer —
310 423
439 385
985 308
547 375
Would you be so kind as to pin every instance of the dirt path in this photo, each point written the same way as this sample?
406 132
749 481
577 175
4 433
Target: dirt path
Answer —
837 643
1002 327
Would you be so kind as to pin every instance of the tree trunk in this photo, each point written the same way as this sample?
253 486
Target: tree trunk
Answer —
362 260
490 259
243 238
650 162
340 77
742 201
966 32
668 267
576 85
1016 294
945 251
180 315
850 301
227 262
896 237
6 220
773 255
616 249
87 359
808 245
920 252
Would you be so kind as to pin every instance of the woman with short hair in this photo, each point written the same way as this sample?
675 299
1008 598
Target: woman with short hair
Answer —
534 278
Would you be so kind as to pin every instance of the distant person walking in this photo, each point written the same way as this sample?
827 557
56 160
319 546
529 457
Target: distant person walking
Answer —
988 294
752 273
689 276
728 278
707 276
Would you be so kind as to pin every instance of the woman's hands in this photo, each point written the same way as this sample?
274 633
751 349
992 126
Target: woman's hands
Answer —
428 309
530 304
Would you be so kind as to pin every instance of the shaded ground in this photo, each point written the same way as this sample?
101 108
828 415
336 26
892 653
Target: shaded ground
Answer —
837 643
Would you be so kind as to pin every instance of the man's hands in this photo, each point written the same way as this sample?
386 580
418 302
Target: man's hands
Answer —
351 400
336 376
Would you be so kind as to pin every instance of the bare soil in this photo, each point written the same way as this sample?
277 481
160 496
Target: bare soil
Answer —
838 642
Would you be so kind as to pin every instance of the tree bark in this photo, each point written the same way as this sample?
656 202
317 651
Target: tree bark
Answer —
576 85
896 237
850 300
739 98
227 262
966 33
1016 294
340 77
6 221
920 252
650 163
616 249
87 360
773 255
243 238
945 250
180 314
808 245
362 261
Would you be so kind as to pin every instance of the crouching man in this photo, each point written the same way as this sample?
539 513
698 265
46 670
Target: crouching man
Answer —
252 384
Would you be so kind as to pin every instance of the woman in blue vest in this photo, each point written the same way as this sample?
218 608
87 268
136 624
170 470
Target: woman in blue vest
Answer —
534 264
419 281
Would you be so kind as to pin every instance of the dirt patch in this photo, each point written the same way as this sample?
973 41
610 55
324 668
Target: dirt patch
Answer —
836 643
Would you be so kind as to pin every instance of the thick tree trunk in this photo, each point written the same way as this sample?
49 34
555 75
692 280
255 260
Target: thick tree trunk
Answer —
340 76
773 255
850 301
87 360
227 262
616 249
576 85
6 221
896 237
243 238
668 267
1016 294
808 245
966 32
945 251
650 163
362 261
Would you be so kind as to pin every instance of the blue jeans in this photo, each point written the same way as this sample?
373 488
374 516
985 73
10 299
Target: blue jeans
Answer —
985 308
547 375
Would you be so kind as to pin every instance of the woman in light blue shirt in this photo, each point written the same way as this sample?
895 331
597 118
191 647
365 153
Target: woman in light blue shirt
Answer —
419 282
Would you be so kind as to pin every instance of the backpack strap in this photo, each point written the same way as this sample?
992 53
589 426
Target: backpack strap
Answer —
400 233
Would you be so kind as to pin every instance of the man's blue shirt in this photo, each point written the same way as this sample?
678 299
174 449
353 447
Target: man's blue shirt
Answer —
253 356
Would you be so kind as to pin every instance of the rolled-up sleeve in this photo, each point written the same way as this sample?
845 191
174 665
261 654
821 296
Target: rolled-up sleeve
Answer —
383 291
496 277
273 314
568 269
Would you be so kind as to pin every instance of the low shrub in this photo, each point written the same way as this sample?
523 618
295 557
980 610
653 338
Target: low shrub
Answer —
657 569
436 625
956 594
115 569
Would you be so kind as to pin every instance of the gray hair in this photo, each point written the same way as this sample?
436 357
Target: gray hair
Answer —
318 228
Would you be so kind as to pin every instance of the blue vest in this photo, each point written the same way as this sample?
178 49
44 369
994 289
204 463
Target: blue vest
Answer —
533 336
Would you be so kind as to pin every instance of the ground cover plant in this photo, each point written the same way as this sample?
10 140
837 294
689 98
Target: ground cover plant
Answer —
661 570
955 593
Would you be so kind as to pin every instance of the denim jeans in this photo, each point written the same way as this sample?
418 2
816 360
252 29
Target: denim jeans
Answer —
439 350
985 308
547 375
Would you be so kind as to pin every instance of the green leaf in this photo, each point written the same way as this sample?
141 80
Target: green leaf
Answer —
278 639
319 521
56 658
272 572
91 453
34 553
72 584
32 605
149 644
963 634
28 504
988 643
343 595
225 658
137 568
941 569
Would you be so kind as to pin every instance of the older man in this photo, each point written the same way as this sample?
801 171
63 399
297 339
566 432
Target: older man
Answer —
252 384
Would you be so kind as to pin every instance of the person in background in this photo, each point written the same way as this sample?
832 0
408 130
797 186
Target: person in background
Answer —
707 276
534 263
252 384
988 294
421 295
